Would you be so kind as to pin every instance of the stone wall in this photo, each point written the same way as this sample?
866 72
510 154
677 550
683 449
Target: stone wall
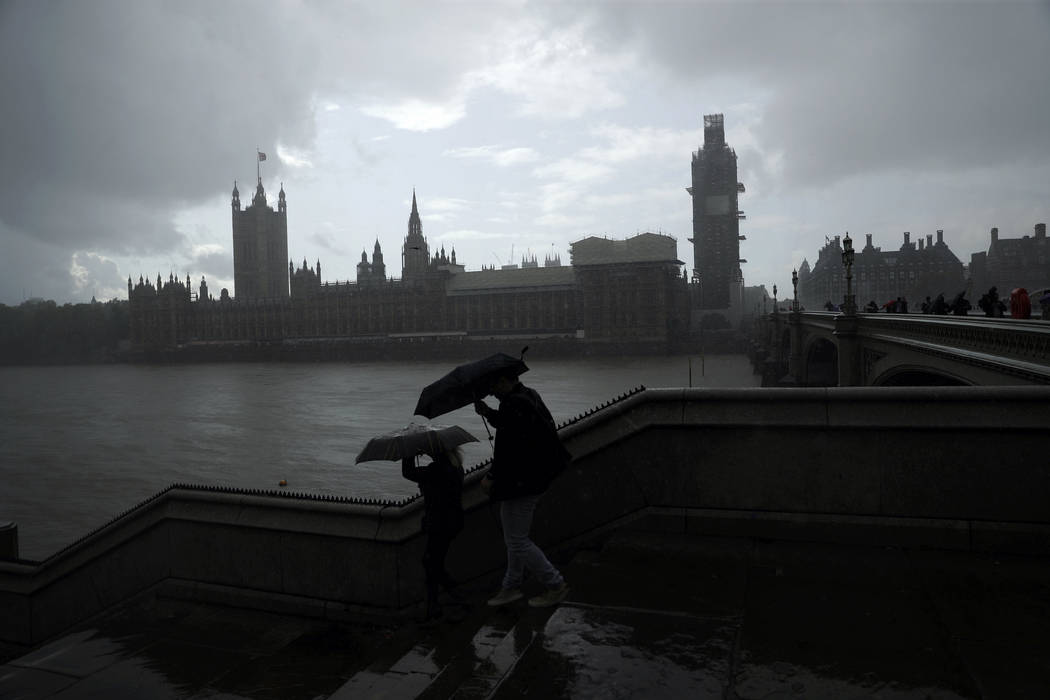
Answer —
951 467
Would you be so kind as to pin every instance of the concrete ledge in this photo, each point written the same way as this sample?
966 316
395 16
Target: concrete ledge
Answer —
267 601
915 533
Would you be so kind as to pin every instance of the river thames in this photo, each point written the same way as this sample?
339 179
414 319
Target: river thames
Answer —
79 445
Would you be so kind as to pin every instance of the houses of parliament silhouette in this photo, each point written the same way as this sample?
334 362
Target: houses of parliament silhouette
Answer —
630 291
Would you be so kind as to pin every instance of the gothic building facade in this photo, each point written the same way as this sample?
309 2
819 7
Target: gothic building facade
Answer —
716 220
614 291
260 246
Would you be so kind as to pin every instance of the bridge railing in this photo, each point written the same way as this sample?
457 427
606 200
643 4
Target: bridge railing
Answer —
1021 339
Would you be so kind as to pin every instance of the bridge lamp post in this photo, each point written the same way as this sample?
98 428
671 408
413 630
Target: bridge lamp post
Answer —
850 305
794 283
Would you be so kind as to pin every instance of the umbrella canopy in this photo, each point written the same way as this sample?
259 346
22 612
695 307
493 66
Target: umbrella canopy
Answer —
466 384
412 440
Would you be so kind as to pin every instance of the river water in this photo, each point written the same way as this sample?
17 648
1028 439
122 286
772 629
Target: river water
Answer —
79 445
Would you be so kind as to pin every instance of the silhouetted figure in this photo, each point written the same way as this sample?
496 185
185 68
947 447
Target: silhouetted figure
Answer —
828 306
441 483
902 305
526 457
872 307
1020 304
960 305
927 306
990 304
940 307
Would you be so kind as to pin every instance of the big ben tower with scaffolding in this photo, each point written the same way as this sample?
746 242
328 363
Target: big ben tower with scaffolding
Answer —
716 221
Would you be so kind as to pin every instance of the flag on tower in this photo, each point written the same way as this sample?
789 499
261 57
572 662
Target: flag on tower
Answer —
262 156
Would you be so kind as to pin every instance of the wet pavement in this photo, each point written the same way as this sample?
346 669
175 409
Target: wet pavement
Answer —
648 616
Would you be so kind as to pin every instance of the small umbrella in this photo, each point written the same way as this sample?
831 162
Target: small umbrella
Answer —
413 440
466 384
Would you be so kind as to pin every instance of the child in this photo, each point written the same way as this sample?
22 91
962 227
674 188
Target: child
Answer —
441 483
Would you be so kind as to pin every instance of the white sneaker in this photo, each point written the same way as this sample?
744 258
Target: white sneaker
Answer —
505 596
552 596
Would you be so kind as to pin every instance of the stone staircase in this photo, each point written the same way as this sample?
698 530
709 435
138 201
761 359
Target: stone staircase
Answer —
464 660
637 620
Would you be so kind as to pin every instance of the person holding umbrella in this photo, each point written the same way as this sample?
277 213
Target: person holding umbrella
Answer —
526 457
441 483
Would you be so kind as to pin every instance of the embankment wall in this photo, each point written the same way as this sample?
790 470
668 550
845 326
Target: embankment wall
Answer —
948 468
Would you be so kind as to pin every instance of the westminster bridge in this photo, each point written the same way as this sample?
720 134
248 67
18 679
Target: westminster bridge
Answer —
817 348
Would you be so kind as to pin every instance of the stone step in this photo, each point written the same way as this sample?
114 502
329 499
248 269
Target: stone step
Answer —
439 658
598 651
495 658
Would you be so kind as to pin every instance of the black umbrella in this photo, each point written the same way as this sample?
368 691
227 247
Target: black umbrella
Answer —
414 439
466 384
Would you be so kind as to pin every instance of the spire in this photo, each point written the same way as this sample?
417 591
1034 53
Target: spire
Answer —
377 249
260 195
414 210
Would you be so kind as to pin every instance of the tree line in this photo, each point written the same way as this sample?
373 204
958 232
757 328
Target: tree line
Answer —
40 332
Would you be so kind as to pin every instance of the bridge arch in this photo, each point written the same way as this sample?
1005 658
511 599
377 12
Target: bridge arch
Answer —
914 375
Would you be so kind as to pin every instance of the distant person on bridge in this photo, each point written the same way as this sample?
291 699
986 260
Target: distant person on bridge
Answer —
1020 303
960 304
527 456
927 306
940 307
990 304
872 307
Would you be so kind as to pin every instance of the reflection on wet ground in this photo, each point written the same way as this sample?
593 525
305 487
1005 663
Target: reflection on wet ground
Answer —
649 616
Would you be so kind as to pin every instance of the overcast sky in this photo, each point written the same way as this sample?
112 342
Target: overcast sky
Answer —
522 127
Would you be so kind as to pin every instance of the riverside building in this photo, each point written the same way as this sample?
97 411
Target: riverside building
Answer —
614 292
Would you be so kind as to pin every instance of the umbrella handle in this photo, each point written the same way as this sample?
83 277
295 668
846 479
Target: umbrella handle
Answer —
487 428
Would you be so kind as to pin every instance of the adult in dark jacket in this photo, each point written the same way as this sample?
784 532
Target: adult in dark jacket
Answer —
441 483
526 458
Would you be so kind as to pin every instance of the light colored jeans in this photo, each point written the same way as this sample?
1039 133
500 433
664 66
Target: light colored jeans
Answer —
522 553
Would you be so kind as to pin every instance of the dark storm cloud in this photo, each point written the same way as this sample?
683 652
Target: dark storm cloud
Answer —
851 89
117 102
38 270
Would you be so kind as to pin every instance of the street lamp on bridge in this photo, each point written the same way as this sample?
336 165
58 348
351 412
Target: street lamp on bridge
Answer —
849 306
794 283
